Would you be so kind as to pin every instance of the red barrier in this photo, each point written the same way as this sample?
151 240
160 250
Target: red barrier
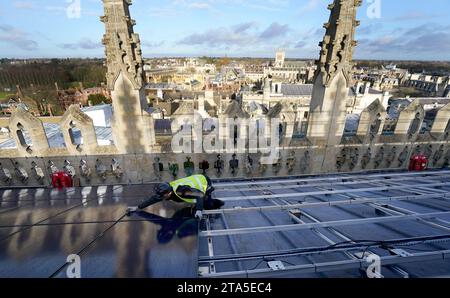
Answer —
418 163
61 180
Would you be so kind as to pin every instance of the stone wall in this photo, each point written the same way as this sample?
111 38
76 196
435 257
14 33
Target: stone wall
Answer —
92 164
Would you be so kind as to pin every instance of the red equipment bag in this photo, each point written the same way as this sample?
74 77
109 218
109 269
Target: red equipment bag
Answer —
418 163
61 180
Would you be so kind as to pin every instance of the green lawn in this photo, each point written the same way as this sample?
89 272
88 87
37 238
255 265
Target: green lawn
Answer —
5 95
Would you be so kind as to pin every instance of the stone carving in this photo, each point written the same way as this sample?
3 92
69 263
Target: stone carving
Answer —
20 172
438 155
428 151
366 158
219 165
379 157
204 166
158 167
304 163
52 167
37 171
174 168
188 166
248 165
116 169
354 156
341 158
291 161
5 174
391 156
69 169
403 156
100 168
234 165
85 170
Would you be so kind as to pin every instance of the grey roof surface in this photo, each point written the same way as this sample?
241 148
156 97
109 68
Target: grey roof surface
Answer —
163 126
161 86
297 89
396 107
373 91
235 110
331 220
160 242
312 226
96 108
351 123
56 139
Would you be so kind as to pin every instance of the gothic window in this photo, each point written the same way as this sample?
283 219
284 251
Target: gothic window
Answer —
415 125
76 137
305 115
22 134
375 127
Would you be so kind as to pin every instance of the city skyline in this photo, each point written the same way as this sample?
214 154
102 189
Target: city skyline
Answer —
406 30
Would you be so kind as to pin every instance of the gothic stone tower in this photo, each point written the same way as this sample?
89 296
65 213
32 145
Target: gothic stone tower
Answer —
331 83
132 125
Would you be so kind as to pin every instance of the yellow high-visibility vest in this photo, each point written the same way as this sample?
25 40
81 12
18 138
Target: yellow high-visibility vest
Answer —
198 182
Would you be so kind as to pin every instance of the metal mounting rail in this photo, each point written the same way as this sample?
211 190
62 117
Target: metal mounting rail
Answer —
330 192
322 178
326 249
352 201
287 184
334 266
241 231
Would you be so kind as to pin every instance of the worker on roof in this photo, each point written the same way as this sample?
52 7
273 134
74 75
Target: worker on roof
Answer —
195 190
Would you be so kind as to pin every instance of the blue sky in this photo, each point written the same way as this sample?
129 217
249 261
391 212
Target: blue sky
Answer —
406 29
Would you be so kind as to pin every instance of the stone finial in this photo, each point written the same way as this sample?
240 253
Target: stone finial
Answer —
28 132
75 120
337 46
122 45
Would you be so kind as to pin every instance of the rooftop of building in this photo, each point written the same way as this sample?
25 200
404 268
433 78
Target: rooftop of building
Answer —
311 226
297 89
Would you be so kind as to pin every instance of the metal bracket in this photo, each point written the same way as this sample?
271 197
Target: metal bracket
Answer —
203 270
276 265
399 252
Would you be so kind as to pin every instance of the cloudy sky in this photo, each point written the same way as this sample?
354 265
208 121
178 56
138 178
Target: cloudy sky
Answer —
404 29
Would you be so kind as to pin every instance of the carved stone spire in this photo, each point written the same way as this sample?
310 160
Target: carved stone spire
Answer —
328 109
132 125
122 45
338 43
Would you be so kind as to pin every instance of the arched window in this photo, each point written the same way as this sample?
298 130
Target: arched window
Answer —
24 138
375 127
415 125
76 137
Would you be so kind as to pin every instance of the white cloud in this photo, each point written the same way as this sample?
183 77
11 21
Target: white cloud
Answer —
23 5
17 38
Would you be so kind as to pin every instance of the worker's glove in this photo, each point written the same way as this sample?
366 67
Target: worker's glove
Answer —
198 215
131 210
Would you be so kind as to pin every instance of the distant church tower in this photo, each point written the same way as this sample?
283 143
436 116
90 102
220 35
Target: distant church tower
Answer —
132 125
279 58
